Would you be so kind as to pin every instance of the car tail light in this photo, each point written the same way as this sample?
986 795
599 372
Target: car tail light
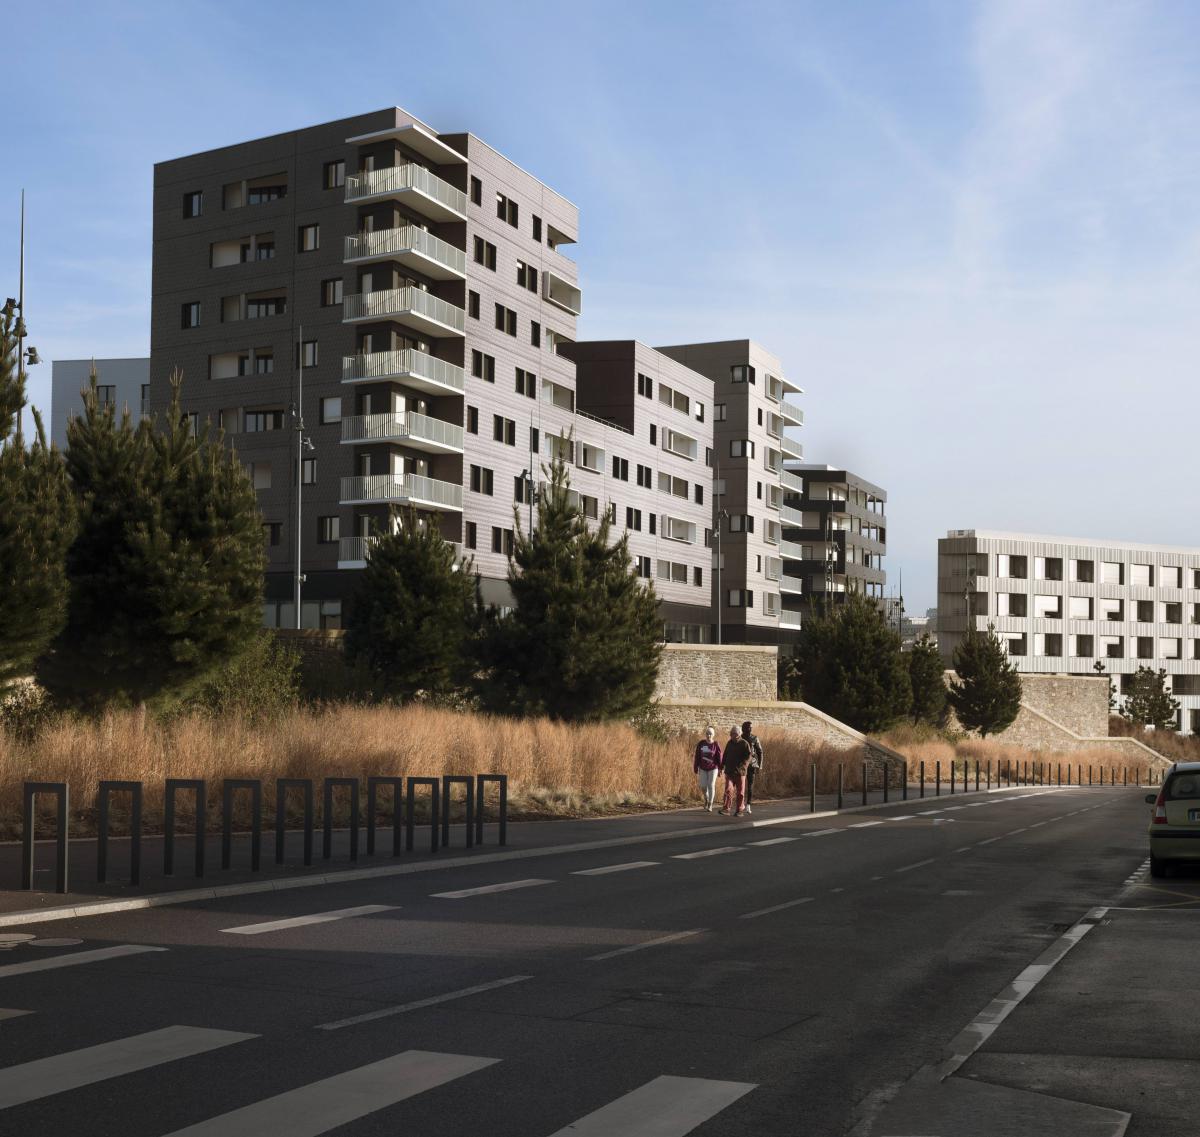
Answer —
1160 810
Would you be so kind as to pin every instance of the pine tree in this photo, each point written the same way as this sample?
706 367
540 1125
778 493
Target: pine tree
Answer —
926 673
37 519
1099 668
582 642
415 613
1148 700
166 568
850 666
986 696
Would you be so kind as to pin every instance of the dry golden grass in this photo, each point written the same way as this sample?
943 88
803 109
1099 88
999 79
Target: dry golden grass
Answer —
554 769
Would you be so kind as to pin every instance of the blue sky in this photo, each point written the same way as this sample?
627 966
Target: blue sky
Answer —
970 230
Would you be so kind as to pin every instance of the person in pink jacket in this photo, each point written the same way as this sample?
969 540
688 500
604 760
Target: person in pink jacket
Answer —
706 765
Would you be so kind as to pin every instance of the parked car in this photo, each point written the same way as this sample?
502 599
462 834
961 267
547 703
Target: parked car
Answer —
1175 826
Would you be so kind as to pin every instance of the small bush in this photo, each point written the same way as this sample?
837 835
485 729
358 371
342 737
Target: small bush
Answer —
261 684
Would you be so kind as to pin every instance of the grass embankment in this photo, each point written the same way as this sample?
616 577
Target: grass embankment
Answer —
923 744
554 769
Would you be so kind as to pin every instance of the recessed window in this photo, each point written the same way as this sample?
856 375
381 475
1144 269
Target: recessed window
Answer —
193 204
331 292
190 316
502 541
329 529
506 320
620 468
334 174
741 373
272 532
256 422
504 430
535 333
472 420
483 366
308 472
264 363
522 489
633 519
526 383
527 276
481 480
476 197
473 305
331 409
106 395
537 227
260 307
309 238
472 535
645 477
485 253
309 354
506 209
645 386
741 448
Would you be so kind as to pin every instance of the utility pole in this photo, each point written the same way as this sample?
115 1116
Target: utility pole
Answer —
302 444
720 516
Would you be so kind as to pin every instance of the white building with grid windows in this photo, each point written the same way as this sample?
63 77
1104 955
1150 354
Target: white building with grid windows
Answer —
1063 603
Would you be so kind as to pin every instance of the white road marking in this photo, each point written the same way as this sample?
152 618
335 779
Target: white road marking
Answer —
952 808
962 849
822 833
9 1013
987 842
865 824
1014 832
902 817
877 878
929 812
775 908
74 959
916 865
707 853
837 890
484 889
614 868
775 841
333 1102
1037 825
419 1004
47 1076
646 944
304 921
665 1107
963 892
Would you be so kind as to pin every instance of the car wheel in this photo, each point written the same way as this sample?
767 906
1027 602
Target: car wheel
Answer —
1158 867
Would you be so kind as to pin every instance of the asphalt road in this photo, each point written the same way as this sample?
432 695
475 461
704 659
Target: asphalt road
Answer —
773 981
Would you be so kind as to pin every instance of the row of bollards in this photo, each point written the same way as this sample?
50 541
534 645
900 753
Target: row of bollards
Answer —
404 801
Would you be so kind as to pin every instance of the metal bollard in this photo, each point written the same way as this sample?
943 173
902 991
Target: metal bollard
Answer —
864 783
255 787
282 785
327 803
1089 774
938 775
200 789
134 789
29 824
887 778
1125 770
812 791
410 800
952 776
989 774
977 775
373 784
502 781
449 781
922 777
841 782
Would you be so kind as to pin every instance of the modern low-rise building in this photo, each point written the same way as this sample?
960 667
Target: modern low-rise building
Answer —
1064 604
121 383
835 537
750 418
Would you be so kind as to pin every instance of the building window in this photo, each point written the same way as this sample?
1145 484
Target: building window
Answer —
331 292
527 276
262 306
645 476
1141 576
331 409
653 435
483 366
741 448
309 354
473 305
643 567
335 174
193 203
720 412
699 494
620 468
256 422
645 386
526 383
308 472
652 518
504 430
472 420
537 227
502 541
471 539
741 522
741 598
506 320
485 253
145 398
741 373
309 238
264 364
698 576
481 480
272 532
522 489
506 209
190 317
329 529
535 333
476 195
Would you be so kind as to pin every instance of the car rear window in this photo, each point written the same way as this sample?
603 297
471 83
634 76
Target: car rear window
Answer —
1183 787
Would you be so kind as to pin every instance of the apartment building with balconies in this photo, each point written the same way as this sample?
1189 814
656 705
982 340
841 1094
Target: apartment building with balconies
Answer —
1063 604
751 415
415 283
660 469
123 384
834 538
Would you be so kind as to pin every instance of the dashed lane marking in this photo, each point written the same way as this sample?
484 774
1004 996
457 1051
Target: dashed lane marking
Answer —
74 959
707 852
605 869
672 938
304 921
916 865
482 890
775 841
775 908
432 1001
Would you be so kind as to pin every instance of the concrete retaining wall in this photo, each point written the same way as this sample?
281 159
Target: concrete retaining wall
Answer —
709 671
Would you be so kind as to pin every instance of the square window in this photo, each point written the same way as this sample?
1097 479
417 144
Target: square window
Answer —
309 239
190 317
331 409
334 174
331 292
193 204
329 529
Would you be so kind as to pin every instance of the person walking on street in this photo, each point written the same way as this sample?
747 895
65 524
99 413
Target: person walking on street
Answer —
737 762
756 760
706 765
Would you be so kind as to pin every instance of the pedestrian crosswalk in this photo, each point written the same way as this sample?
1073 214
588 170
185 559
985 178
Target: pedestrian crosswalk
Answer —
665 1107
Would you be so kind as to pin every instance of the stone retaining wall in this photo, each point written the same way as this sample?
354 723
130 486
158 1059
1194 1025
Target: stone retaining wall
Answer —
711 671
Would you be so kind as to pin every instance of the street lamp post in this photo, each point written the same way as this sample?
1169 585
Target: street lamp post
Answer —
15 307
304 444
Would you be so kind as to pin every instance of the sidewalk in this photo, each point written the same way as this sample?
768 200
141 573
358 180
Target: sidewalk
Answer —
525 838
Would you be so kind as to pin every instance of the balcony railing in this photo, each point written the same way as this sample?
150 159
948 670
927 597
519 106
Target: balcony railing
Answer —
791 482
409 179
410 244
405 365
403 489
790 516
425 311
791 449
400 426
357 550
792 414
793 551
789 618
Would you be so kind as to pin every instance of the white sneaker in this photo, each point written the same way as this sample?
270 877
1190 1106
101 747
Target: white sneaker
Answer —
747 809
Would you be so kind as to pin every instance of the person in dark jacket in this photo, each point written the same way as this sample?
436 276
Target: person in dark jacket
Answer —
756 760
706 765
737 762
